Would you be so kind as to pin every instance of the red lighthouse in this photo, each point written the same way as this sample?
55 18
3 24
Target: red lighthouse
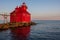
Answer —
20 14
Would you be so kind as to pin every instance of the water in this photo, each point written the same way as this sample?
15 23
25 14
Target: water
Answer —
44 30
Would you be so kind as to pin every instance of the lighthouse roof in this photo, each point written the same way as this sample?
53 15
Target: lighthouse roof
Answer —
21 9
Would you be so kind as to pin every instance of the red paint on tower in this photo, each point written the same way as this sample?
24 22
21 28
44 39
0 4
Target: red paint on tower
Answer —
20 14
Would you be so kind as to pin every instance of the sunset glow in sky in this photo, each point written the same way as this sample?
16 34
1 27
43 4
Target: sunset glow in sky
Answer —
39 9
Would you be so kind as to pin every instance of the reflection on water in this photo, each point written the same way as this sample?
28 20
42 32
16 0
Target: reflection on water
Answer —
15 34
20 33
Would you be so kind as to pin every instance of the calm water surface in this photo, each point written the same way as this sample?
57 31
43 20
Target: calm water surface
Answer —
44 30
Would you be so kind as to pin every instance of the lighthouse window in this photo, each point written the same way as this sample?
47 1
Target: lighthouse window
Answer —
14 14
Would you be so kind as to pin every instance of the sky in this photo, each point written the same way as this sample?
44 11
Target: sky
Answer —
39 9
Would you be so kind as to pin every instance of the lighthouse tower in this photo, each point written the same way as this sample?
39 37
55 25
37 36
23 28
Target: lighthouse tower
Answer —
20 14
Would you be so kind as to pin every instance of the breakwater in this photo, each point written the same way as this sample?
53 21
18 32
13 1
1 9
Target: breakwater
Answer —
15 25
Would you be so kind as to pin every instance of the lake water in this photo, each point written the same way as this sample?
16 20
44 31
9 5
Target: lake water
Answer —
44 30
